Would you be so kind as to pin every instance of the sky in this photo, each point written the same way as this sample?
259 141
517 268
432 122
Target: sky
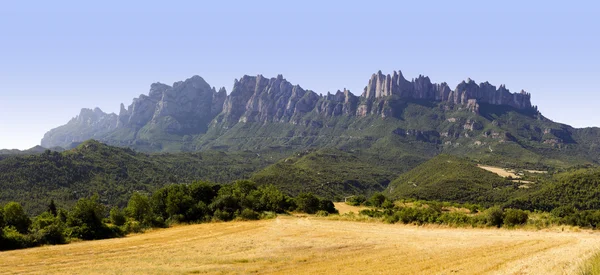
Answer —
57 57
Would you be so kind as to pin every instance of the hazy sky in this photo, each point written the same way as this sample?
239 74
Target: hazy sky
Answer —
57 57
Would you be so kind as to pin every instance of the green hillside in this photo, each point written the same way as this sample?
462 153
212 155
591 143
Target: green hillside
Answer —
579 188
452 179
330 173
113 173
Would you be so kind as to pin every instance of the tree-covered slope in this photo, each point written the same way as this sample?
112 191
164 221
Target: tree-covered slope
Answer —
112 172
578 188
453 179
329 173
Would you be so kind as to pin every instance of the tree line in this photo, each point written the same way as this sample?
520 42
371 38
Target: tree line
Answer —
197 202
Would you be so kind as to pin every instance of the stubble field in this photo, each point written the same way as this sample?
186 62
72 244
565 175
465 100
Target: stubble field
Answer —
307 245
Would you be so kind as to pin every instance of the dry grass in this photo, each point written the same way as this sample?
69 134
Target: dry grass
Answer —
291 245
500 171
345 208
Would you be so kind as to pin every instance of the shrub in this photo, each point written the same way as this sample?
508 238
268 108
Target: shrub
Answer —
15 216
387 204
48 229
139 208
494 216
249 214
377 199
13 239
307 203
356 200
322 213
328 206
132 226
514 217
222 215
117 217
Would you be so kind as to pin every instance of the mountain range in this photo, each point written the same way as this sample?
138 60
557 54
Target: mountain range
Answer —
392 118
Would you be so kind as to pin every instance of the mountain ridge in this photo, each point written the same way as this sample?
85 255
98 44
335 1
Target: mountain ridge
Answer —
393 115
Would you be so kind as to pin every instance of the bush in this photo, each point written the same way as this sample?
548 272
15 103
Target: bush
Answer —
13 239
48 229
356 200
117 217
307 203
15 216
132 226
456 218
322 213
222 215
494 216
514 217
139 208
249 214
328 206
377 199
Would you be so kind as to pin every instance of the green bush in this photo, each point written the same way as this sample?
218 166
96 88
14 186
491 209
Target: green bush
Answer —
377 199
356 200
15 216
117 217
139 208
132 226
307 203
494 216
222 215
328 206
48 229
249 214
322 213
13 239
514 217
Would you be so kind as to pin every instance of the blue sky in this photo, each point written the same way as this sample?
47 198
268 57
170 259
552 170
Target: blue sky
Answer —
57 57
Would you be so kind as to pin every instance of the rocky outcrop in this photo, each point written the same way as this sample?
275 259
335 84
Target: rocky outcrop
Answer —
467 92
259 99
189 108
88 124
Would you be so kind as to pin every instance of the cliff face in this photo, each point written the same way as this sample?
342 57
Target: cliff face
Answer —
87 125
190 107
381 85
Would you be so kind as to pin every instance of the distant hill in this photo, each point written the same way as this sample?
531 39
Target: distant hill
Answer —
34 150
329 173
112 172
453 179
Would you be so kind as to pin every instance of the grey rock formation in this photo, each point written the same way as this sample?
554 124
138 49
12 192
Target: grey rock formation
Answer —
87 125
381 85
189 108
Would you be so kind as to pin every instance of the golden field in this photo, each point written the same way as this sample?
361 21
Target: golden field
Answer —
309 245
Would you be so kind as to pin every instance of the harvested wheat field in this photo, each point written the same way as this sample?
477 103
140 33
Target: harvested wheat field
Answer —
290 245
499 171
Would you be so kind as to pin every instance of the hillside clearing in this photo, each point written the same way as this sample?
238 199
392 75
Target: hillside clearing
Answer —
344 208
499 171
312 246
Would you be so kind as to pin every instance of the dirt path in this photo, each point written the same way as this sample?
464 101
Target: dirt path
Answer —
289 245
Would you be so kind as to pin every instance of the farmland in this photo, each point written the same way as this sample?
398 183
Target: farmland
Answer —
311 245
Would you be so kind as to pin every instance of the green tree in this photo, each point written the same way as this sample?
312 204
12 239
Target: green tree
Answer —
307 203
377 199
14 215
514 217
117 217
494 216
272 199
52 208
48 229
139 208
85 219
